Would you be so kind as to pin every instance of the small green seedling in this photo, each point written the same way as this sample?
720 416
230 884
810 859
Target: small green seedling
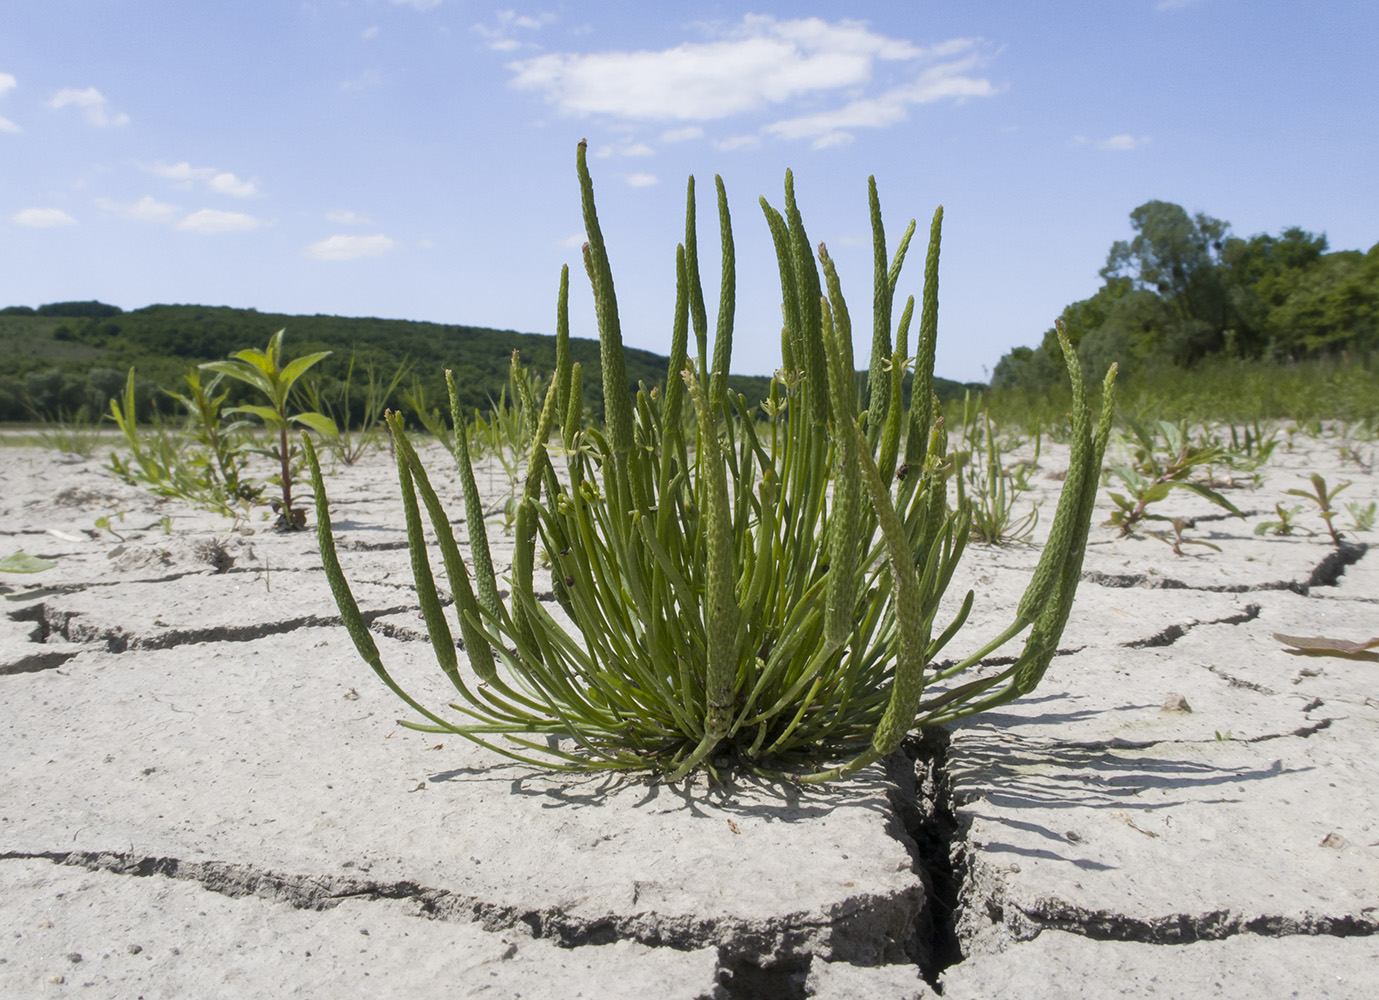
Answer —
1322 497
265 371
1361 516
1175 539
1161 464
103 524
994 490
1284 525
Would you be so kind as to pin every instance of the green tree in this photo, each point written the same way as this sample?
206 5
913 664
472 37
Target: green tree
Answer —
1178 256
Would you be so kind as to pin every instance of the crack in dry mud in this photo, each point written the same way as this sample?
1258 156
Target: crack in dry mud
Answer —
1325 574
767 958
66 625
1175 632
1187 928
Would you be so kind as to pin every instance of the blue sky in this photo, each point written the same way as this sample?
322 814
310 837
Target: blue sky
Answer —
414 159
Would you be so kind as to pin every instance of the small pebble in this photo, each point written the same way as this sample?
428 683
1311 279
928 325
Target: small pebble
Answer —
74 957
134 949
1176 703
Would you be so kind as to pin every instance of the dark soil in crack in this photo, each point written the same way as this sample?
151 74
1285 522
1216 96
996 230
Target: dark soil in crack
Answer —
924 805
67 625
1325 574
1173 633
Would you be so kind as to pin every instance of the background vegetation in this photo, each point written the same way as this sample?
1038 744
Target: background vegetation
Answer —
61 357
1208 322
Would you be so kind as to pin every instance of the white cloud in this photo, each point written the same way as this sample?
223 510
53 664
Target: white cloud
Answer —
346 217
682 134
499 35
737 142
945 81
418 4
762 63
227 183
1122 143
626 149
575 241
219 181
8 126
365 80
343 247
641 180
370 33
94 103
146 209
213 220
42 218
7 82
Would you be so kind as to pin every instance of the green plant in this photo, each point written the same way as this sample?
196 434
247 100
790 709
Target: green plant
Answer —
1161 463
204 465
1322 497
350 443
1361 516
994 491
103 524
74 434
1174 538
1284 525
429 416
739 600
265 371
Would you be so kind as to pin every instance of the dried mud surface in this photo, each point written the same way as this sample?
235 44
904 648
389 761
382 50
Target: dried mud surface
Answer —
204 791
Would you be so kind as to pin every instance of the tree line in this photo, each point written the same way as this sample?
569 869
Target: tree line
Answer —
1183 291
60 359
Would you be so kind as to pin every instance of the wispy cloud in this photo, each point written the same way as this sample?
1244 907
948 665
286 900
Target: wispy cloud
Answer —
1122 143
346 217
146 209
42 218
501 35
737 142
7 83
93 104
641 180
630 148
213 220
763 66
369 33
365 80
344 247
418 4
682 134
951 80
219 181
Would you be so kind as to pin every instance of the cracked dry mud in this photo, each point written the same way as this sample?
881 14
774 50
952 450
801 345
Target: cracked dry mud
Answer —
205 792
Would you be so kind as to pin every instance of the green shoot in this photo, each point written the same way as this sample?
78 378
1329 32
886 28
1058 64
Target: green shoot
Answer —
265 371
1322 497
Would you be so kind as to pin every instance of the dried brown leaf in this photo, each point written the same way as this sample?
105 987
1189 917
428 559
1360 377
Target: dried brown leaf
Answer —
1327 645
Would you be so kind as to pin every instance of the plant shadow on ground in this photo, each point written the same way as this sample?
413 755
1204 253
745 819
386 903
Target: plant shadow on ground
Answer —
1006 720
1096 776
739 794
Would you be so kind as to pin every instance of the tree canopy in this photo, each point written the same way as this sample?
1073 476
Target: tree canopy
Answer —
1184 289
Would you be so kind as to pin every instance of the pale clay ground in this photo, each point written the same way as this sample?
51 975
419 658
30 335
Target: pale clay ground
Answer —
204 791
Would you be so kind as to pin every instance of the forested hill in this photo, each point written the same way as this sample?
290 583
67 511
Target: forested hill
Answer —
58 358
1184 291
